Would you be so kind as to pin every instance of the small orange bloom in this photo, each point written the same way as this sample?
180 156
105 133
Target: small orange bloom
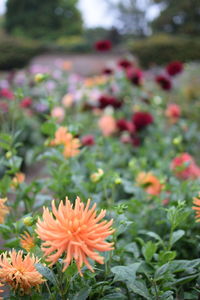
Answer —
107 125
18 272
27 241
19 178
71 144
4 210
76 232
150 182
197 207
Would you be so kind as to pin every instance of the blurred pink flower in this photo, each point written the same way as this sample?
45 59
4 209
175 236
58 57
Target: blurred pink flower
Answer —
185 167
6 93
58 113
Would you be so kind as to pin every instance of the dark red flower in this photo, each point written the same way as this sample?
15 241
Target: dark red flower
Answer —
105 101
125 64
103 45
107 71
124 125
164 82
6 93
88 140
136 141
174 68
135 76
142 119
26 102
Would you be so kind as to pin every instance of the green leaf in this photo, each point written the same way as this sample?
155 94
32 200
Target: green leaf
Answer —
47 273
151 234
166 256
48 128
139 288
160 272
82 294
133 248
125 274
114 296
177 235
149 250
185 279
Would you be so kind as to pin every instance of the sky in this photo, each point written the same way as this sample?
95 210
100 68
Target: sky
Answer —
95 12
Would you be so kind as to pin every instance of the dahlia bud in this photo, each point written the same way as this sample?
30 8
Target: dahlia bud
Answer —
28 221
95 177
8 154
118 180
39 77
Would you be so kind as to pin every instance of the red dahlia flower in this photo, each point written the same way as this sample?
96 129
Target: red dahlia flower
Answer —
6 93
142 119
174 68
103 45
26 102
105 101
164 82
107 71
125 64
124 125
88 140
135 76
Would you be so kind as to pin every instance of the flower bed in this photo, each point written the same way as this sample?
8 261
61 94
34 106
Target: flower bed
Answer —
122 139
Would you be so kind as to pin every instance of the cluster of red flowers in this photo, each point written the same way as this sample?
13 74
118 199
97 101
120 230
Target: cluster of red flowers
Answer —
105 101
172 69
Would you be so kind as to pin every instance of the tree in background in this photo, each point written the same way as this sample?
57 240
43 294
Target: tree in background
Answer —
178 17
47 19
131 16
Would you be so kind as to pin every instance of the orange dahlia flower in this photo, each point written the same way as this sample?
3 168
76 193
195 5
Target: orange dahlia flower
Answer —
76 232
27 241
197 207
150 183
71 144
4 210
19 272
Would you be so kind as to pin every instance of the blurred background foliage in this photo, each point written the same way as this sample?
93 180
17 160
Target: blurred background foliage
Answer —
30 27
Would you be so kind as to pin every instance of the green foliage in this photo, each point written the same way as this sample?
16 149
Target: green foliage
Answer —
43 19
16 53
161 49
178 17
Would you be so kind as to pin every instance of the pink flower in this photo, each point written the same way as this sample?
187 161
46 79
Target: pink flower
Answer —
6 93
164 82
58 113
185 167
26 102
173 111
142 119
103 45
174 68
88 140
